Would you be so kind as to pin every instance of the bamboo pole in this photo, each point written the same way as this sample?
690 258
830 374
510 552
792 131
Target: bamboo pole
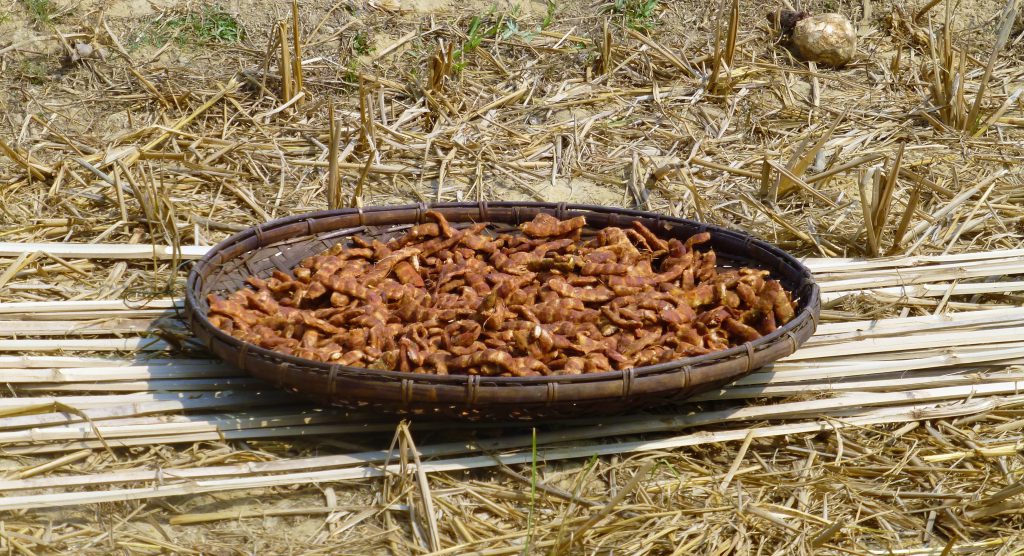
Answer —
888 415
104 344
105 327
112 406
919 341
214 424
35 307
103 251
55 376
930 290
824 266
75 362
990 317
918 275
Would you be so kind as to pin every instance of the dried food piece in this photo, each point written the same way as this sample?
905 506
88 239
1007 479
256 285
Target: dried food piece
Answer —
445 299
545 225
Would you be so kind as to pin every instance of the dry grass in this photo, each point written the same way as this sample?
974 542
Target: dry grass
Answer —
903 439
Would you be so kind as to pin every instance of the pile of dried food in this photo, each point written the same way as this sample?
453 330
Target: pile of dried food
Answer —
544 301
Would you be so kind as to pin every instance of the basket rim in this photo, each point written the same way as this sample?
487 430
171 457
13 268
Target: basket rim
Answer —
213 258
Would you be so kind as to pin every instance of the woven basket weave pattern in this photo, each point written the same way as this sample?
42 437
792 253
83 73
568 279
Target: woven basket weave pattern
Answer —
282 244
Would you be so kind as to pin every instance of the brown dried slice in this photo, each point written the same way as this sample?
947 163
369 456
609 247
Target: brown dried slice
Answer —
781 303
655 242
605 269
598 294
697 239
439 361
557 310
233 310
348 285
645 338
462 333
545 225
573 366
480 358
441 221
387 264
740 331
407 274
416 234
528 366
699 296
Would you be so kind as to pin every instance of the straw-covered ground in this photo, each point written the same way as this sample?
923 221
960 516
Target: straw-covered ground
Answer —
178 122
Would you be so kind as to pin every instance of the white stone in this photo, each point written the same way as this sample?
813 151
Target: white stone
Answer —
83 50
828 39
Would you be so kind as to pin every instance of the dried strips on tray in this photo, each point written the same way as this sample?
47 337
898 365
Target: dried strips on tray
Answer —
540 302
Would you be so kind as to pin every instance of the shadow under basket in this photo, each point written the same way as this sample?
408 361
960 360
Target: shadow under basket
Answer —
282 244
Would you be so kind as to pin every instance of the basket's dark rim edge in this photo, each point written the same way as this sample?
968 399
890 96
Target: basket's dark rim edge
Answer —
812 299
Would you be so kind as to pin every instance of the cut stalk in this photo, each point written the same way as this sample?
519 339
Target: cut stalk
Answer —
286 63
865 204
908 213
333 177
296 44
1005 27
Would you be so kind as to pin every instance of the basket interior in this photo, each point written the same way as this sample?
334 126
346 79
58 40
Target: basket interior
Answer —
284 255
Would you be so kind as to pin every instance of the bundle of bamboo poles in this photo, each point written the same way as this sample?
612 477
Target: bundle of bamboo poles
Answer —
145 393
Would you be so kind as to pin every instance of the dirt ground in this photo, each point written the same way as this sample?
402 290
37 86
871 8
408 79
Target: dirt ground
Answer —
543 108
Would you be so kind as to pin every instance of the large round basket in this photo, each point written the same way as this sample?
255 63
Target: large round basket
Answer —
283 243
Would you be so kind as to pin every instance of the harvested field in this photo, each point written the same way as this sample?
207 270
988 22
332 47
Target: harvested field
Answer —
135 135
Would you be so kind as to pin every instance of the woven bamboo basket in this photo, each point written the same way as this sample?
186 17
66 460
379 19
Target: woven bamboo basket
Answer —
283 243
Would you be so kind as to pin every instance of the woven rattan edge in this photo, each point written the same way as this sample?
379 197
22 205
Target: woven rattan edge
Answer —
411 391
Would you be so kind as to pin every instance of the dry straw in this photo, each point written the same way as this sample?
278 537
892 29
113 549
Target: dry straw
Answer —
886 435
